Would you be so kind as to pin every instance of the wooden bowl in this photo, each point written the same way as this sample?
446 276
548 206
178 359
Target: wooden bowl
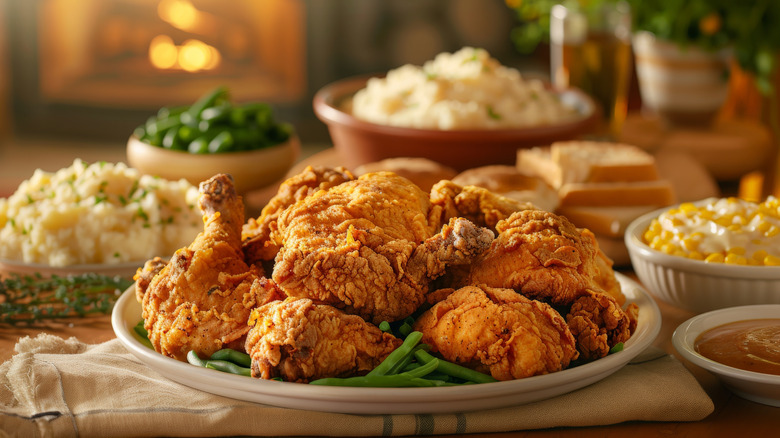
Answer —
250 170
360 142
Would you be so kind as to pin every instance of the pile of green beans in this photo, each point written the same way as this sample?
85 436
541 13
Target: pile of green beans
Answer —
226 360
410 365
214 125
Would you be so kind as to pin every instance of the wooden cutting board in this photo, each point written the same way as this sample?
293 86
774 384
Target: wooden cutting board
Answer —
728 149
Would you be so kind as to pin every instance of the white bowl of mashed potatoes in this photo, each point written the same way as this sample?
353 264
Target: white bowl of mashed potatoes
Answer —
462 109
710 254
739 345
100 217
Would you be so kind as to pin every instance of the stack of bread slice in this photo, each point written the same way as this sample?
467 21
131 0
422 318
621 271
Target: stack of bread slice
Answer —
601 186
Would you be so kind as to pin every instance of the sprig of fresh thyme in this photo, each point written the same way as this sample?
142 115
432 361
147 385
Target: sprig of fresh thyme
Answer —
29 299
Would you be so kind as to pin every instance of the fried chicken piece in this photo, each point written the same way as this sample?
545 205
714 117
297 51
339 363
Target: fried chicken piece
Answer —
258 244
202 298
370 247
544 256
498 331
301 341
479 205
144 275
599 323
540 255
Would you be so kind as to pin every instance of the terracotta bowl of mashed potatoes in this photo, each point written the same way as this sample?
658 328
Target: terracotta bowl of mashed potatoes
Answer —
710 254
740 346
462 109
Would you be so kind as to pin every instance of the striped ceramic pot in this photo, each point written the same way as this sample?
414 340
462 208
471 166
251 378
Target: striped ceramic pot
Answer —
682 85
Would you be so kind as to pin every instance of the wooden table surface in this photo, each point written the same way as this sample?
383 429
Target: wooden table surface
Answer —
733 416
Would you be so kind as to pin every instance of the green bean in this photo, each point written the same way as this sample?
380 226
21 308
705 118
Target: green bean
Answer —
384 326
155 125
219 365
281 132
141 331
616 348
166 112
171 139
188 133
216 113
213 118
248 137
234 356
223 142
238 116
398 355
207 100
228 367
199 146
188 119
406 361
194 359
422 370
455 370
264 118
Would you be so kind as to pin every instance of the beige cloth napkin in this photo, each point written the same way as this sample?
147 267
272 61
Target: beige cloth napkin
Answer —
61 388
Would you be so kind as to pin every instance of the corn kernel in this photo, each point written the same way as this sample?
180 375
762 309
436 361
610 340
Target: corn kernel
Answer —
688 208
772 231
690 244
714 258
735 259
753 262
771 260
707 214
738 250
668 248
667 235
695 255
763 227
735 228
726 220
759 255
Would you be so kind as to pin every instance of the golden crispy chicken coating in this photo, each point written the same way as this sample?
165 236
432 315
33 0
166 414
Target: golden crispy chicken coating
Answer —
258 243
599 323
477 204
144 275
543 256
202 298
301 341
370 246
498 331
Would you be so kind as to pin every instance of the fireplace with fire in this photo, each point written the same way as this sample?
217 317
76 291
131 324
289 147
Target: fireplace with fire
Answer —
95 69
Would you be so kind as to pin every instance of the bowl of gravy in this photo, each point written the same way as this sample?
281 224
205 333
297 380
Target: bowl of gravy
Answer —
741 345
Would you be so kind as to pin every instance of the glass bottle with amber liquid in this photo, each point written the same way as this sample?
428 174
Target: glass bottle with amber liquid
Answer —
591 50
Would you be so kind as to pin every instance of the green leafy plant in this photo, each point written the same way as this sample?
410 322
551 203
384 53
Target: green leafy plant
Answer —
749 29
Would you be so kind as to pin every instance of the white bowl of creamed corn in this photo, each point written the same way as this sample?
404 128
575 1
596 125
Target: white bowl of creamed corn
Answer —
710 254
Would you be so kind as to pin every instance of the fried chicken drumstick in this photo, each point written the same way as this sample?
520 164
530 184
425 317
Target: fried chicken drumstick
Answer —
202 298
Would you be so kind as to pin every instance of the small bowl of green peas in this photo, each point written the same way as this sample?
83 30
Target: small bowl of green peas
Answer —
214 135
